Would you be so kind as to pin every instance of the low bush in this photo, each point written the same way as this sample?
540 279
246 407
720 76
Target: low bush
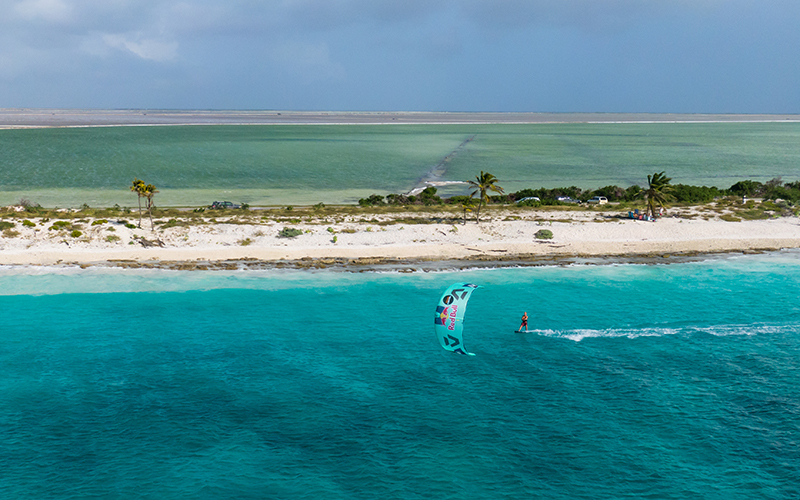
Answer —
289 232
28 223
372 201
544 234
75 233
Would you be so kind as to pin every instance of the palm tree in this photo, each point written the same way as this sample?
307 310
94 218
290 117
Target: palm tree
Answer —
657 191
139 187
485 182
150 191
467 205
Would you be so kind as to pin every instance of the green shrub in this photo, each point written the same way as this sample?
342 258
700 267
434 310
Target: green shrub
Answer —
289 232
59 225
544 234
6 225
245 206
130 226
111 238
75 233
28 223
372 201
319 206
99 221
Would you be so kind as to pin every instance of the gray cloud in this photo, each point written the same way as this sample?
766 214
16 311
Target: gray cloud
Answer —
345 52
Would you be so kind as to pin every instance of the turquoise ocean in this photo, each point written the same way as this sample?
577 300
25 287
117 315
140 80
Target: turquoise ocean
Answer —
276 165
641 381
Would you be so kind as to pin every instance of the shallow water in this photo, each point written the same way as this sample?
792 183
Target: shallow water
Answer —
299 164
676 381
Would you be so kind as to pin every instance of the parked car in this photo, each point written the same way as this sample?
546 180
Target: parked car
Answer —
529 198
220 205
600 200
567 199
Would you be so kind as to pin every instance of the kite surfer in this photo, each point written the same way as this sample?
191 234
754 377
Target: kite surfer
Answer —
524 326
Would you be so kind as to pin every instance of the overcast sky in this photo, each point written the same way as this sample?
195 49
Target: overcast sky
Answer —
720 56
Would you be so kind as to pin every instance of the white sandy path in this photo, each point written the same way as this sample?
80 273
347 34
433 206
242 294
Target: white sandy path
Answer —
589 234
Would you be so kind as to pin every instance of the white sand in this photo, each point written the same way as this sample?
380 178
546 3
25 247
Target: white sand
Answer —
589 233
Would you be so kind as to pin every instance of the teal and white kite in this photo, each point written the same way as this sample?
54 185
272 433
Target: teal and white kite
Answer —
449 320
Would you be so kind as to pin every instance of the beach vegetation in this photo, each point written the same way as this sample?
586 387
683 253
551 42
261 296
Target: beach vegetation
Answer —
60 224
371 201
112 229
319 206
111 238
99 222
331 230
150 192
6 225
245 206
289 232
130 226
482 184
139 187
348 231
657 191
75 233
289 208
335 239
28 223
10 233
245 242
543 234
428 197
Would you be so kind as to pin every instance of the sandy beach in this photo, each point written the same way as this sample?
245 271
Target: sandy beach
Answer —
503 236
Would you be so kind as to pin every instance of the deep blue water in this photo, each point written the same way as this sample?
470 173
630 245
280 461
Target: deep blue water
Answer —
677 381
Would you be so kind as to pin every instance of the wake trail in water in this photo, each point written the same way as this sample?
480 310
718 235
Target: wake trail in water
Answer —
717 330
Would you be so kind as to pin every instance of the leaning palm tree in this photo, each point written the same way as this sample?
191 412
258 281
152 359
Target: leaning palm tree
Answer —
139 187
485 182
150 191
657 191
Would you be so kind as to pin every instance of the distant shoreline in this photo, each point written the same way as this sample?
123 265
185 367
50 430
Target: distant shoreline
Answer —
21 118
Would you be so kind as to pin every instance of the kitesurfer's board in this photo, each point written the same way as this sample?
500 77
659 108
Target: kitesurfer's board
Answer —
524 331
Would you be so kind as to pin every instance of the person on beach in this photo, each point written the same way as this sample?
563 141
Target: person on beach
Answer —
524 326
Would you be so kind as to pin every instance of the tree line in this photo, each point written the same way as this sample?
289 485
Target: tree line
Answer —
680 193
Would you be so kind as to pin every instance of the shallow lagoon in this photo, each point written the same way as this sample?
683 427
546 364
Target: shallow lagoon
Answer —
308 164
